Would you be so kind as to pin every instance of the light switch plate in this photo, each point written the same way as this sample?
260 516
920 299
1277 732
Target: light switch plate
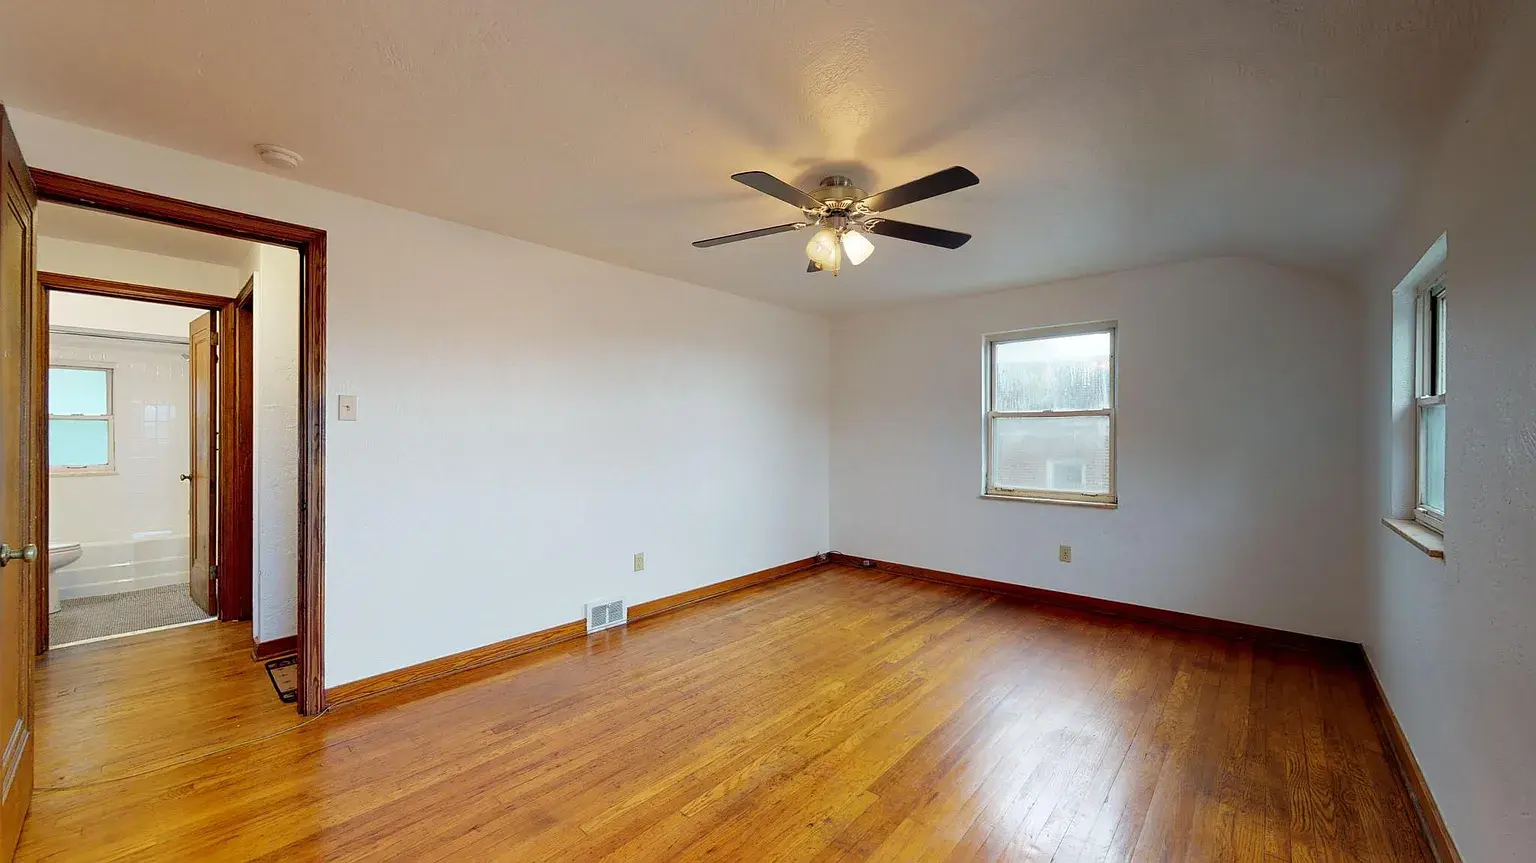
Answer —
346 408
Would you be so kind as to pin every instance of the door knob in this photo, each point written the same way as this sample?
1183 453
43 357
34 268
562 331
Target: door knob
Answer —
185 477
27 553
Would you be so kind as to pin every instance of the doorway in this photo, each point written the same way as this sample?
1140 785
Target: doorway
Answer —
147 519
150 644
309 244
24 447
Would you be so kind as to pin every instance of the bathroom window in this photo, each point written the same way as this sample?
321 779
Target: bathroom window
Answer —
1429 367
1050 415
80 439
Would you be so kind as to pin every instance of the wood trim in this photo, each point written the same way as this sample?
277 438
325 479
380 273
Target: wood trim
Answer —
709 591
262 650
454 663
38 405
311 245
80 192
312 322
1112 608
1401 756
128 291
236 422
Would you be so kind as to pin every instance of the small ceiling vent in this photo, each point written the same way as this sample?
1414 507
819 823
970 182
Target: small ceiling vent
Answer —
606 614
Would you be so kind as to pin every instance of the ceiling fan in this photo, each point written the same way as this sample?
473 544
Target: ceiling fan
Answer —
845 215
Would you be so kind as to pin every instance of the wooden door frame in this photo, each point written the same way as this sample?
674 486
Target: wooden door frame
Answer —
232 521
311 246
236 490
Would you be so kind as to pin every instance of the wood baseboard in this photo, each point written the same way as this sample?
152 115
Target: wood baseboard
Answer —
708 591
1113 608
453 663
1401 756
457 662
263 650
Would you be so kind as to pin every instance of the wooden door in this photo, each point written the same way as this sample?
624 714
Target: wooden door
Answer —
18 518
202 580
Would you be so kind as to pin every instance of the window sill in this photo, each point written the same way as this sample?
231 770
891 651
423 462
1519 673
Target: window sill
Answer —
82 473
1020 498
1421 537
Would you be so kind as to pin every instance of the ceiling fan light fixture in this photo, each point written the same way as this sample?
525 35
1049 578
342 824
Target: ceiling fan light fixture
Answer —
824 249
857 247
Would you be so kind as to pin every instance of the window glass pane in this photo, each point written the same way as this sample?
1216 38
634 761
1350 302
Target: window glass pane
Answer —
1064 373
1432 470
1439 348
77 391
1051 454
78 443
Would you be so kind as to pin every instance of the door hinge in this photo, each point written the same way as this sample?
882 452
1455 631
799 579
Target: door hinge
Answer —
213 573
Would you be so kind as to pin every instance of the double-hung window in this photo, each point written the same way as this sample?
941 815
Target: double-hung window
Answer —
1050 414
80 439
1429 376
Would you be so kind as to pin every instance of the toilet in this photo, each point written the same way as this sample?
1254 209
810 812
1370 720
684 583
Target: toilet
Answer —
60 555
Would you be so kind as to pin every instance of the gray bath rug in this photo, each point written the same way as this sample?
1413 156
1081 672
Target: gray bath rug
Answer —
116 613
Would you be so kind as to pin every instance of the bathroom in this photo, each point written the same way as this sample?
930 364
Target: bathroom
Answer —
119 465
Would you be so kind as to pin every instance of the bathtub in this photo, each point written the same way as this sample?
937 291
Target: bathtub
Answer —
146 560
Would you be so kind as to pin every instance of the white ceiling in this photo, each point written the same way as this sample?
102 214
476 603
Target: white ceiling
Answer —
1107 133
123 232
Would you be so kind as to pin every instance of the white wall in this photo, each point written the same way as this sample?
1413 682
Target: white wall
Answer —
1237 444
132 524
128 316
275 446
1454 642
528 419
75 258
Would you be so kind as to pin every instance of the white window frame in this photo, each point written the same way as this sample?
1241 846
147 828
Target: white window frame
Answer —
1109 499
1429 360
96 469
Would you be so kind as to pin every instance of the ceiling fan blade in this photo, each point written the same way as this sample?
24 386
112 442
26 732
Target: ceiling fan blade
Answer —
747 235
770 185
943 182
917 233
813 267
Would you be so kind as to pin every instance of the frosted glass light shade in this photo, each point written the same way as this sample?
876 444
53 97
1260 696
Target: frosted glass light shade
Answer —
824 249
857 247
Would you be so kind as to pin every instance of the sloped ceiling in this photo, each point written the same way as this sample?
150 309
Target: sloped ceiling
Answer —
1107 133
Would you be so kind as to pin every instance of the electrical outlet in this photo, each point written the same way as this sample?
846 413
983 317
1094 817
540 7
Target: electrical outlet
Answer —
639 561
1064 554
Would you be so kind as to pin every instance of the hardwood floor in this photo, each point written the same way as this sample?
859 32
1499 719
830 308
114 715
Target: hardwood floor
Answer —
111 709
832 715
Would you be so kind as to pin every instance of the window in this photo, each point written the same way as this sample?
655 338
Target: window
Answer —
1429 374
1050 414
80 420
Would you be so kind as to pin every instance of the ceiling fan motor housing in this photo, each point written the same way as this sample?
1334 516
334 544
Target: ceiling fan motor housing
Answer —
837 193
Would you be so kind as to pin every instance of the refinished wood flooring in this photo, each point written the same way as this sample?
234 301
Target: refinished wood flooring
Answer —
115 708
834 715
